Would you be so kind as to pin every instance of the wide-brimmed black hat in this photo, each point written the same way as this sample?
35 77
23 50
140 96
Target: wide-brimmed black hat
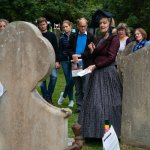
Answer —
98 14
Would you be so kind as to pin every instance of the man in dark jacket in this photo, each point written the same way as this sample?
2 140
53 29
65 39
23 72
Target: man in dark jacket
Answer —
47 92
78 49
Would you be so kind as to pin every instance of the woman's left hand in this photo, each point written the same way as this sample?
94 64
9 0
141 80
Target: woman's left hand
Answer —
92 67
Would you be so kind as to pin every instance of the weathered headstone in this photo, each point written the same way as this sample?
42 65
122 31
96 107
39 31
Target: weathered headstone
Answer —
136 99
27 121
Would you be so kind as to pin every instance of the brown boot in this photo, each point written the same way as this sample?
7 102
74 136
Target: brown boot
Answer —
78 137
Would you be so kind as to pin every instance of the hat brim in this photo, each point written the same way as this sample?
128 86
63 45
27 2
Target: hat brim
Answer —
98 15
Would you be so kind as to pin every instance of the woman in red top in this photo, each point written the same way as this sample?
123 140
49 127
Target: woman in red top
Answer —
102 100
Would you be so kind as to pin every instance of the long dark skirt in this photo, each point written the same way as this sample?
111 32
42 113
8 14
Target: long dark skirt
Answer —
101 102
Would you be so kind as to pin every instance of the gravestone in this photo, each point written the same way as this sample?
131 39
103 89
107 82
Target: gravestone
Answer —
27 121
136 99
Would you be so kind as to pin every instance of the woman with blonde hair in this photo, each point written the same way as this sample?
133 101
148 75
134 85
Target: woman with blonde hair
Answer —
123 34
65 63
102 100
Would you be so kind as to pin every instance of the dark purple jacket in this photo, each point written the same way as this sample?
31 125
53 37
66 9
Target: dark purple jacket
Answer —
105 53
128 41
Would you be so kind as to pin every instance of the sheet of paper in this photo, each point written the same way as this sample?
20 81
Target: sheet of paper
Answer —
110 140
1 89
76 67
84 72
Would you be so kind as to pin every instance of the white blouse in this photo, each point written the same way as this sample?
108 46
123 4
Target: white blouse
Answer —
122 45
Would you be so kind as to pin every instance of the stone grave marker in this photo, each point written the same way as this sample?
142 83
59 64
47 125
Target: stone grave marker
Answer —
27 121
136 99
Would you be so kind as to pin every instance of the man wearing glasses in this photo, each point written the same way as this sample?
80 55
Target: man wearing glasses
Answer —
78 49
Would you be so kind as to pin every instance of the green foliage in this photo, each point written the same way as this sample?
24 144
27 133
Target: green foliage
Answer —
55 11
132 21
134 12
19 10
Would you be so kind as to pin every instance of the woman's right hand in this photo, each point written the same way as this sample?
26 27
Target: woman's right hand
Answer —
91 46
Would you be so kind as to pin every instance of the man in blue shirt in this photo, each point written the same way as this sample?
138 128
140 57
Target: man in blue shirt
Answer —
78 49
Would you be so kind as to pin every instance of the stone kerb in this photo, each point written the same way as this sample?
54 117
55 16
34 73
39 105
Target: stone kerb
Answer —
27 121
136 99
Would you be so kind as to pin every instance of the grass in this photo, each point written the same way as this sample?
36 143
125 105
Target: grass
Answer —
91 145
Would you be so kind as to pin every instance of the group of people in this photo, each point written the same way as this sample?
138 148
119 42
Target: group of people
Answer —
140 37
98 94
140 41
